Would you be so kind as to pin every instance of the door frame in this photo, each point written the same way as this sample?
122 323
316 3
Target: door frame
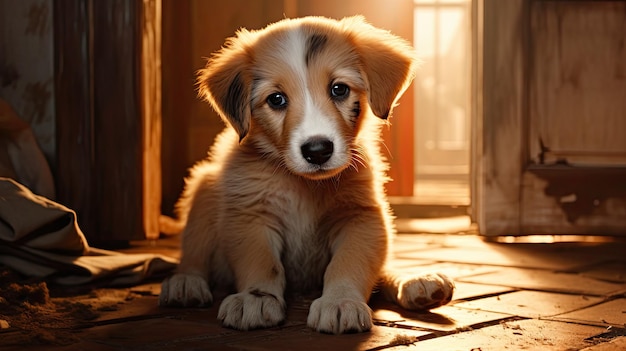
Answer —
108 116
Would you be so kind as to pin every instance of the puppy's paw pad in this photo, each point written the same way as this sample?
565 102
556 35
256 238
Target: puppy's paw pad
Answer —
337 316
185 290
251 310
425 292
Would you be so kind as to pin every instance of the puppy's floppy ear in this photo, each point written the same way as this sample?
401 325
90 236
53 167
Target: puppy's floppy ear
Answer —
389 63
225 83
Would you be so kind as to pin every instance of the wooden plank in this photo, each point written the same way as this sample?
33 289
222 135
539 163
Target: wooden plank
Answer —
577 90
117 122
562 199
476 134
108 134
74 111
504 68
576 119
151 116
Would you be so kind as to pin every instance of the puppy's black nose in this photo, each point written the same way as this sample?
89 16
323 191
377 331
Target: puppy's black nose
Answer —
317 150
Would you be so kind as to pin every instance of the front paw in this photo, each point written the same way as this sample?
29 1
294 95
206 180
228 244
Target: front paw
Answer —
337 316
185 290
425 292
252 309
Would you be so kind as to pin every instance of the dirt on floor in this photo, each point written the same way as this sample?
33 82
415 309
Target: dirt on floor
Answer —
33 313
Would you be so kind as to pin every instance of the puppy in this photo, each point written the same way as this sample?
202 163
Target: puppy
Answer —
291 196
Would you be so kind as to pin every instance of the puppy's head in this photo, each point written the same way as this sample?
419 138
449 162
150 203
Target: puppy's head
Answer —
299 90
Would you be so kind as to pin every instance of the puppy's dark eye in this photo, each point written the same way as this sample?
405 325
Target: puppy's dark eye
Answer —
277 101
339 91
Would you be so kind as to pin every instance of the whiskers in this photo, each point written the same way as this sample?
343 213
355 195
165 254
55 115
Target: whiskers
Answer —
358 158
277 162
358 161
279 167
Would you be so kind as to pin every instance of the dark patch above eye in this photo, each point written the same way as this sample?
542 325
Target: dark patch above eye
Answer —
314 45
276 101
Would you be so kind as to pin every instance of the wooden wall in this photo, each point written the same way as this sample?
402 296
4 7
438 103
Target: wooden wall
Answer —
577 92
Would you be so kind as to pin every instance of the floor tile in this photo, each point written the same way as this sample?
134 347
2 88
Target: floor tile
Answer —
547 281
471 291
610 271
147 289
158 331
305 339
515 335
452 270
79 346
227 339
616 344
457 224
531 304
446 318
297 313
557 256
408 263
145 307
494 257
410 243
610 313
434 241
167 246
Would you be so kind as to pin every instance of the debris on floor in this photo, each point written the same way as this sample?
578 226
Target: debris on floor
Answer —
30 316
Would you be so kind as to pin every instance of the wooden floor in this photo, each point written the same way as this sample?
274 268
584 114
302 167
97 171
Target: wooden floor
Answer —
514 296
448 191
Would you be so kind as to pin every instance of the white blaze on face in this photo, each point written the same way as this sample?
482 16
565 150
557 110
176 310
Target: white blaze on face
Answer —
314 125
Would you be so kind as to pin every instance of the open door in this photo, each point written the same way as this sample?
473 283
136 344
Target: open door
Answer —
551 143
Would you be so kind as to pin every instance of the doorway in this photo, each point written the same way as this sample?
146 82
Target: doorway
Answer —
442 93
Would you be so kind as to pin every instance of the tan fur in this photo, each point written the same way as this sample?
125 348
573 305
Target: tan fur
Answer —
259 217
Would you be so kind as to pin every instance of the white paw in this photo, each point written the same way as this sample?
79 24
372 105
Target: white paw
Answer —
252 309
336 316
185 290
425 292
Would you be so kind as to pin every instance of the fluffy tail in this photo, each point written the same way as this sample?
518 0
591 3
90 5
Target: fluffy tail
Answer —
170 226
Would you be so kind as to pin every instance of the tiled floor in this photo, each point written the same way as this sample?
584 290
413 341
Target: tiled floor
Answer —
563 296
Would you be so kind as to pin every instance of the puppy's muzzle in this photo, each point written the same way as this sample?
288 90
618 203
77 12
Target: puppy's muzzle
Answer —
317 150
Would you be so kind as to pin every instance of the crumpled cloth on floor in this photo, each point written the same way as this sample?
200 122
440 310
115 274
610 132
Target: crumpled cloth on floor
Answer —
41 238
